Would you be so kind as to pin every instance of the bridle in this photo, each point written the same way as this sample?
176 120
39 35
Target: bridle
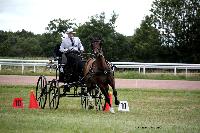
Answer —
98 53
96 47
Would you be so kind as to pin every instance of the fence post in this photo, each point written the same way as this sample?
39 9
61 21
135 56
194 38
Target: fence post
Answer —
139 69
174 70
22 69
144 69
0 67
186 72
34 68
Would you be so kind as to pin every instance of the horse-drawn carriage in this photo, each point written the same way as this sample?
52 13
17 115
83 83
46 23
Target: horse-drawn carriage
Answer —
90 85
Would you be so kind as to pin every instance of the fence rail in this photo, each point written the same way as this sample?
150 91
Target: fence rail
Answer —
118 65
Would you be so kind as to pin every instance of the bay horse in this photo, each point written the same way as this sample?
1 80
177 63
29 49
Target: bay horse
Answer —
99 72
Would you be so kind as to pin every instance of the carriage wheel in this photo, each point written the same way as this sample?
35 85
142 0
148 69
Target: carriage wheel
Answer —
84 98
84 102
98 102
54 94
41 91
98 96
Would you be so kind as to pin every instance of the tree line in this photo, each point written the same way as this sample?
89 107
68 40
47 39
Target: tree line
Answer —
169 34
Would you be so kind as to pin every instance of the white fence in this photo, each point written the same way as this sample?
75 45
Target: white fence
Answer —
143 66
119 65
23 63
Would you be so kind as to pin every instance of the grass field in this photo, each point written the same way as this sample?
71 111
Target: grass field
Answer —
150 111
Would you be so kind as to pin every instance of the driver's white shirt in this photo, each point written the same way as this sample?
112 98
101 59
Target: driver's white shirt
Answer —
67 44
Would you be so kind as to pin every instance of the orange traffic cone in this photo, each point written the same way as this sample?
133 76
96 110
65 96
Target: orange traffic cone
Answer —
33 104
18 103
107 108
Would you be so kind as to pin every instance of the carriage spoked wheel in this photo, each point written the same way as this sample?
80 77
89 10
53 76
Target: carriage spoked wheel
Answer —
84 98
97 96
54 94
98 102
41 91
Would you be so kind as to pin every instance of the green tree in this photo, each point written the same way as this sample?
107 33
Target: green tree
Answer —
21 43
56 28
28 47
59 25
97 26
179 24
4 43
146 42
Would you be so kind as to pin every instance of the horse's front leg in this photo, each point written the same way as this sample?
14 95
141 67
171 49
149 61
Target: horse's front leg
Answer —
112 84
104 90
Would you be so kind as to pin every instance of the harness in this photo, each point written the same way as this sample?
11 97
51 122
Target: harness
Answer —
101 73
98 71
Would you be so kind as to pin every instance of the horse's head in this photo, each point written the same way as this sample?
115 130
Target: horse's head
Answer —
96 45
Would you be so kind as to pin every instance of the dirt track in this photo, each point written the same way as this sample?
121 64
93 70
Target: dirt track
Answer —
120 83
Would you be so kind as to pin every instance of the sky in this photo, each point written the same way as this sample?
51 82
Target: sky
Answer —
35 15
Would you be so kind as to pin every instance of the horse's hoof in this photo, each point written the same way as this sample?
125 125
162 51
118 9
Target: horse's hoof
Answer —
117 102
112 110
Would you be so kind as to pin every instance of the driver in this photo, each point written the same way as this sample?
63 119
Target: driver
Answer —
71 47
70 42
